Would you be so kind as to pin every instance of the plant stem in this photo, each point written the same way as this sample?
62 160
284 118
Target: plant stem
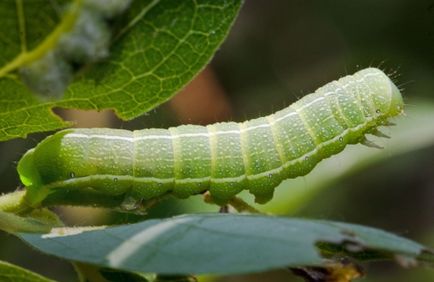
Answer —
241 206
13 202
11 223
17 216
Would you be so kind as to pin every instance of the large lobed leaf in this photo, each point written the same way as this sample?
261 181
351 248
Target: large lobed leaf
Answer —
161 45
223 244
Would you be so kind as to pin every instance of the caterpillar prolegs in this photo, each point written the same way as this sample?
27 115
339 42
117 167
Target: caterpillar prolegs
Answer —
222 158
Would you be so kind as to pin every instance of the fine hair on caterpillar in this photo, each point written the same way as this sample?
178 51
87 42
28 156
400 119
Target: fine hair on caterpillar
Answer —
222 158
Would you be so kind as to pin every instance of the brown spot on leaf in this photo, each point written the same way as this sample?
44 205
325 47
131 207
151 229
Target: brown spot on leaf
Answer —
341 270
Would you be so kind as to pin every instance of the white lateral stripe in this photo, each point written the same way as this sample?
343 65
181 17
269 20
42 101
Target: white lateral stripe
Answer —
208 134
208 178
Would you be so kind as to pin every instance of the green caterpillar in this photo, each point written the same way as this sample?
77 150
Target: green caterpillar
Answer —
222 158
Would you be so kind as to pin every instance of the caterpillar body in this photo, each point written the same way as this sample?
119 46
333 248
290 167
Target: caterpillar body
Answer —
222 158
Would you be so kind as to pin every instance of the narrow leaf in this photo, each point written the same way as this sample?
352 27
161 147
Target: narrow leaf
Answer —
10 272
224 244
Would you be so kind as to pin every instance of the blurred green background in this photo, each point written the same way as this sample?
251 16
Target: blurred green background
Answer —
277 52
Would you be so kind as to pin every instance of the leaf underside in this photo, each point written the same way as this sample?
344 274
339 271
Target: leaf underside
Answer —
225 244
160 46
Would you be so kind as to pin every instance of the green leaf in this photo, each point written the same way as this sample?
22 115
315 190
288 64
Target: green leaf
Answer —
223 244
161 45
10 272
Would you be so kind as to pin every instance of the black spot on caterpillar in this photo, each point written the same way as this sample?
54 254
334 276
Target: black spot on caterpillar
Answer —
222 158
87 42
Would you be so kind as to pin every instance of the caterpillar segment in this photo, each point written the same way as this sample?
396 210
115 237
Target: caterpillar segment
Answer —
222 158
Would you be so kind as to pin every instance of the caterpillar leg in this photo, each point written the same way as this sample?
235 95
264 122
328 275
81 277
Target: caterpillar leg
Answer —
209 199
138 205
224 209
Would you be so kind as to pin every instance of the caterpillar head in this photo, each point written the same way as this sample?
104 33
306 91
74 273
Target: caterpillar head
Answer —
396 106
386 96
